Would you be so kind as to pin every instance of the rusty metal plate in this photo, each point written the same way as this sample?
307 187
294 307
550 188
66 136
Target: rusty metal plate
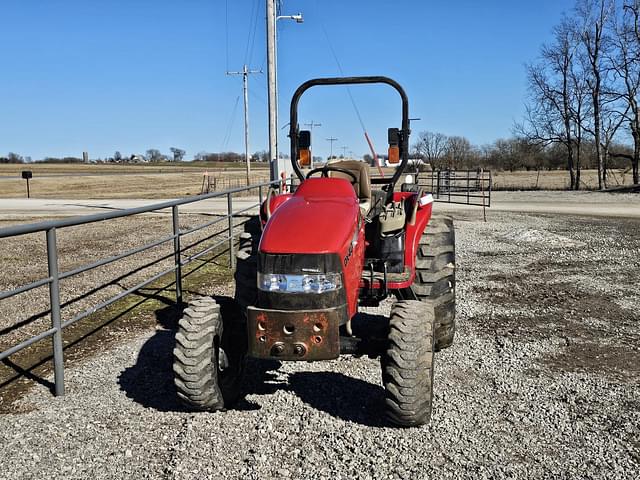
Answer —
294 335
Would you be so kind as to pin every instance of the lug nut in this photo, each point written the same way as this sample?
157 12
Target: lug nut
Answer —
299 349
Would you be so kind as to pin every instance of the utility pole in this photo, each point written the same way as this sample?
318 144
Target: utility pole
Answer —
344 151
245 74
311 125
331 140
271 83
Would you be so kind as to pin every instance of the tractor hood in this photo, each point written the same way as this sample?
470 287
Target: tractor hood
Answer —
320 217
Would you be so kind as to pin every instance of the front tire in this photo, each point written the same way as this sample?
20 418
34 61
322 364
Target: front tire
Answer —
407 365
209 357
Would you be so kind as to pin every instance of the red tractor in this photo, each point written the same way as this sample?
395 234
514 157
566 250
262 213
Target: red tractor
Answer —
342 240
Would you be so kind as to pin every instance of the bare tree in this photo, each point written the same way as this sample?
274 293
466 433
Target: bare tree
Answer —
550 113
154 155
458 152
580 113
433 147
14 158
625 61
178 154
594 18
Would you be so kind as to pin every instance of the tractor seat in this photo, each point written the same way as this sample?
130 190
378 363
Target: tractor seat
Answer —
362 186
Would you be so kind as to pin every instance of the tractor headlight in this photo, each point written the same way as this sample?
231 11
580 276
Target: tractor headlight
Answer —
307 283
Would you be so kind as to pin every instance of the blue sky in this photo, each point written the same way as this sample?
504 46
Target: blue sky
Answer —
130 75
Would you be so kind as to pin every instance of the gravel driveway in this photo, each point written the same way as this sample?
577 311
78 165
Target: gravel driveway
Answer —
542 382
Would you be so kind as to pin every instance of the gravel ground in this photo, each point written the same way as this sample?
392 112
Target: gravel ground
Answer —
542 382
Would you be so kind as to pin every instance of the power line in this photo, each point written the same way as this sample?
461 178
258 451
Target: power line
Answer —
335 57
353 102
227 136
250 30
257 97
255 29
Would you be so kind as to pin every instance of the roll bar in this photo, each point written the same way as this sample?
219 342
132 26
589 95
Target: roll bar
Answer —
404 131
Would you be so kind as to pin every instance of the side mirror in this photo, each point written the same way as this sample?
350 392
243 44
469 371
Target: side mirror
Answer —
304 139
393 135
304 145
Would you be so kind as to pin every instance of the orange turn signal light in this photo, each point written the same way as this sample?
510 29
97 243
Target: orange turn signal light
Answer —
394 154
304 157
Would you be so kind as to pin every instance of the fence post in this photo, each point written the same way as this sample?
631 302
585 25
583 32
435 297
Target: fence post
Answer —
176 254
260 195
54 300
232 257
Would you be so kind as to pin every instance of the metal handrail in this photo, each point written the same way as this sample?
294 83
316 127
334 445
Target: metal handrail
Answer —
55 276
96 217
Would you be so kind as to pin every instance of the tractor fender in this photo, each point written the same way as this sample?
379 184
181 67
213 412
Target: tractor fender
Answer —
271 203
415 230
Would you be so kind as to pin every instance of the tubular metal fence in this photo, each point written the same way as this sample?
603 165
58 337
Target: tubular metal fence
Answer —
469 187
180 259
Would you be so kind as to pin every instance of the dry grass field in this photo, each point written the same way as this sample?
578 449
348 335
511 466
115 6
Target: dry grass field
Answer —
101 169
556 180
546 180
170 181
120 181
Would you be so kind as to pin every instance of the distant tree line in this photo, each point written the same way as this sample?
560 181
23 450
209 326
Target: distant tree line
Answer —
583 90
516 153
152 155
13 158
261 156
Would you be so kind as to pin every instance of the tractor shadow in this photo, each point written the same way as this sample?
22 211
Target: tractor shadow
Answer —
347 398
149 382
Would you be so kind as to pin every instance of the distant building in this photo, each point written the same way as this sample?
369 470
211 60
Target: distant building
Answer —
135 158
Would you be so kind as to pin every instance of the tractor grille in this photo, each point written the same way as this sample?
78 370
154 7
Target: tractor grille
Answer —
296 263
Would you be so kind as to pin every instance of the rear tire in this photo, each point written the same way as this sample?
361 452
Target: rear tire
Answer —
435 279
407 365
209 357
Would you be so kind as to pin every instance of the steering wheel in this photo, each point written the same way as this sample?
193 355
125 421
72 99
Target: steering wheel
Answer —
326 169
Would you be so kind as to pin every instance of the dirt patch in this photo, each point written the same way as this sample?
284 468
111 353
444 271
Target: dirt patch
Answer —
566 283
614 361
558 299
